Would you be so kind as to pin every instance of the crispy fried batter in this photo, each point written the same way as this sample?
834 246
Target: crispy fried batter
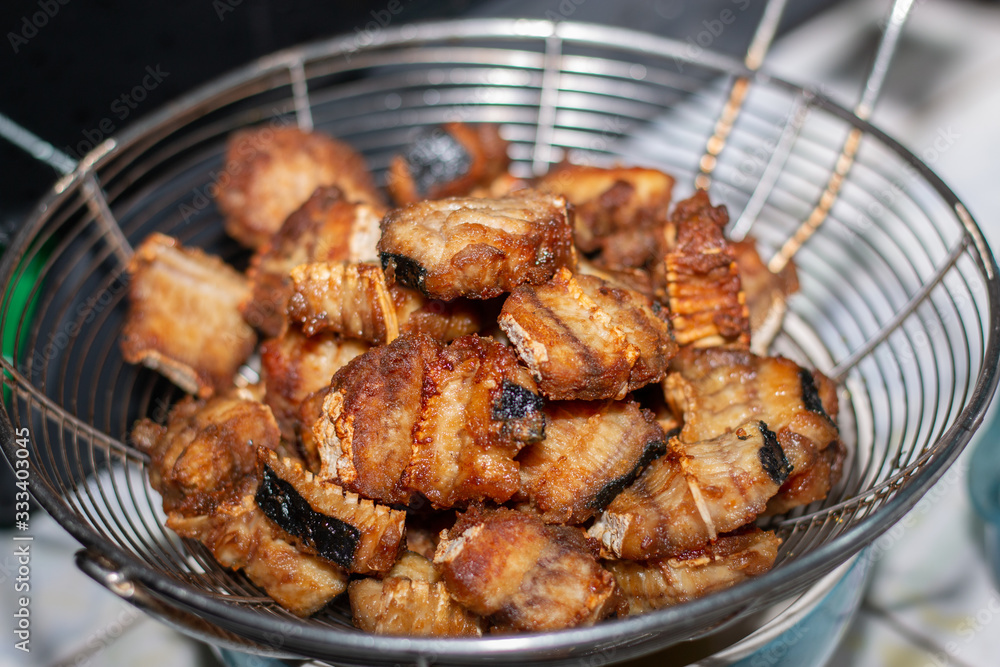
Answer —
443 321
591 451
523 574
270 172
583 339
183 318
766 293
478 248
348 298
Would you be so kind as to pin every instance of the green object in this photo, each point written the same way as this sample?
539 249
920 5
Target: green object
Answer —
19 306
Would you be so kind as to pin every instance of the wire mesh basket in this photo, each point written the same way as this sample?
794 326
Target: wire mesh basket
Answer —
898 299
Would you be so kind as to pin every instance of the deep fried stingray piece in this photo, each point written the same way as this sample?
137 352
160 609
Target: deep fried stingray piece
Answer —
410 600
348 298
583 339
477 248
591 451
716 390
448 161
270 172
523 574
327 227
707 304
619 213
441 320
766 293
357 534
692 494
183 318
206 453
242 538
718 565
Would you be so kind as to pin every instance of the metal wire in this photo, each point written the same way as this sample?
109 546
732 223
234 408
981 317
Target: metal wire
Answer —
898 293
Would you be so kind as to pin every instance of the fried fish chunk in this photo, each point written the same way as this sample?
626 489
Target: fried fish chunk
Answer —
591 451
477 248
694 493
183 318
523 574
327 227
583 339
270 172
716 566
443 321
766 293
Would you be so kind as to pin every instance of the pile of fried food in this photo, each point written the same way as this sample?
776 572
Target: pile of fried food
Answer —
503 405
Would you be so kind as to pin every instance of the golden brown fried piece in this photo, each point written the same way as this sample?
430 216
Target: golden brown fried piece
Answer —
348 298
183 318
694 574
242 538
637 280
357 534
715 390
477 248
206 453
583 339
270 172
707 304
591 451
620 213
523 574
293 366
698 490
448 161
766 293
327 227
443 321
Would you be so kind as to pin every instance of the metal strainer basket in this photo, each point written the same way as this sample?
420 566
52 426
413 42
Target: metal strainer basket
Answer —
898 300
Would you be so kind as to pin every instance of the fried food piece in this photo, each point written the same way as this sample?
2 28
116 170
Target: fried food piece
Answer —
327 227
583 339
477 248
591 451
692 494
183 318
443 321
716 566
766 293
357 534
637 280
240 537
716 390
206 453
523 574
620 213
707 304
270 172
347 298
412 601
294 365
448 161
310 410
480 410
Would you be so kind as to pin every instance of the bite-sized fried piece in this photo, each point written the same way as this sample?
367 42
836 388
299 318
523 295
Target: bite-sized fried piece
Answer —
420 540
766 293
501 186
348 298
294 365
692 494
523 574
448 161
477 248
716 390
242 538
480 410
620 213
707 304
310 410
183 318
637 280
716 566
583 339
326 228
591 451
357 534
443 321
206 453
270 172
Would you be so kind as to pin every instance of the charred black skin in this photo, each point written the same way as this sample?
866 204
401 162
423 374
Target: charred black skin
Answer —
331 538
436 158
810 395
653 450
406 270
517 403
772 457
